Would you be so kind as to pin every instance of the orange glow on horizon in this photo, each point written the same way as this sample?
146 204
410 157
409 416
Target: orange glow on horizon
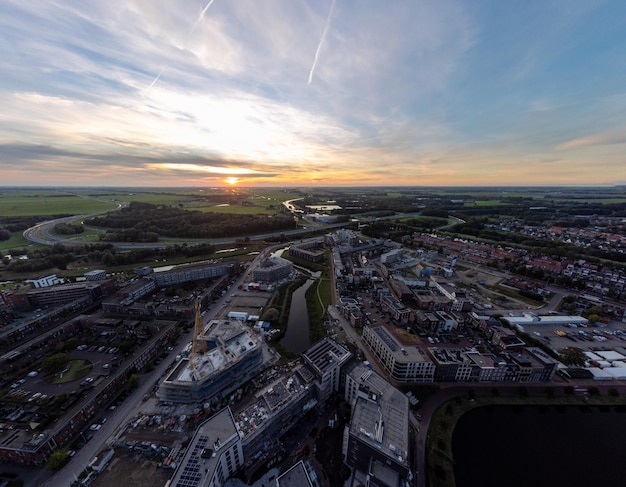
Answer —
231 180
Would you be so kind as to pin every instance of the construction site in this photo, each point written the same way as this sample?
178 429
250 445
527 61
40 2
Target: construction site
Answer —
224 354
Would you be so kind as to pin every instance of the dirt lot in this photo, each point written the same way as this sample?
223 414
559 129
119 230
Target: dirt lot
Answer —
133 472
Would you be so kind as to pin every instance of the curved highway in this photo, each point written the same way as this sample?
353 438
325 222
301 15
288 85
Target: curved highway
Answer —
42 233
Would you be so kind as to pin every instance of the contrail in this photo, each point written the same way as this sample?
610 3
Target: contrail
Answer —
156 79
319 46
202 15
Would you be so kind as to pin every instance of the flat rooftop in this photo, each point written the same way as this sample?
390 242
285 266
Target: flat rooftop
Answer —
218 433
282 391
296 476
325 354
384 473
481 360
382 420
533 319
445 356
409 353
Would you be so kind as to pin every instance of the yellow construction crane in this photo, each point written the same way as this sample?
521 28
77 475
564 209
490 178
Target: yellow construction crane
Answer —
197 344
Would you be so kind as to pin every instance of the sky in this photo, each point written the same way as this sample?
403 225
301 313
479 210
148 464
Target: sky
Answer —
312 92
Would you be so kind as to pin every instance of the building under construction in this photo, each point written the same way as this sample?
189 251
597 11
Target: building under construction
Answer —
224 355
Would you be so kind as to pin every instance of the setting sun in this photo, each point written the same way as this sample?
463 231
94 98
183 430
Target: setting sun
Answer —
231 180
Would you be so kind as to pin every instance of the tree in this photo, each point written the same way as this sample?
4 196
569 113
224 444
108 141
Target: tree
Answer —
593 317
55 363
125 347
572 356
593 314
68 229
57 460
133 381
71 344
108 259
60 400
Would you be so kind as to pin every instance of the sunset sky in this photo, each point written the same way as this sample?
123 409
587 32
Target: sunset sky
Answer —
319 92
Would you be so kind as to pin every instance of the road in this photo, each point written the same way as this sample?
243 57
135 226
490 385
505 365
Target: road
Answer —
123 414
42 233
129 408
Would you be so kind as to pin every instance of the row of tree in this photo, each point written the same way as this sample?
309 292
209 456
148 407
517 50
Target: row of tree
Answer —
68 229
146 219
104 254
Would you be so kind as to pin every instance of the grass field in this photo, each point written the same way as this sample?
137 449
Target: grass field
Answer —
46 205
485 203
236 210
16 240
28 202
77 369
604 201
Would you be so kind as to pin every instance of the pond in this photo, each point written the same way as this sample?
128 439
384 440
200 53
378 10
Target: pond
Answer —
523 446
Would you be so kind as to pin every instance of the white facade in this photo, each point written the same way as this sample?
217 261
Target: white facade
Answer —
404 364
46 281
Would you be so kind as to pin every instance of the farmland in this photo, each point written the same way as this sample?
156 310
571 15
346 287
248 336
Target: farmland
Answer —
16 203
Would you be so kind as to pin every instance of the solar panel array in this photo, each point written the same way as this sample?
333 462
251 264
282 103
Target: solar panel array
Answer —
387 340
191 475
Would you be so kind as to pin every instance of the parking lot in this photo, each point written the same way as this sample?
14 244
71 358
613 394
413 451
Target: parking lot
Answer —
587 337
33 388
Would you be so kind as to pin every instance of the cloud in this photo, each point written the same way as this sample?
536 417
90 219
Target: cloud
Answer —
401 92
592 141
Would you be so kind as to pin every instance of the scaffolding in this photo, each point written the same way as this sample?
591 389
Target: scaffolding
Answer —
198 345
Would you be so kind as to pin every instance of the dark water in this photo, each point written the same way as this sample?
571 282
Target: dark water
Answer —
296 338
552 446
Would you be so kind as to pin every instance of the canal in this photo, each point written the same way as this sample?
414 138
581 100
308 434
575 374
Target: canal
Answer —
296 339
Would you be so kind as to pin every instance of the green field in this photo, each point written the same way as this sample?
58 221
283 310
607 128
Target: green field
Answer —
236 210
16 240
48 203
605 201
485 203
45 204
77 369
